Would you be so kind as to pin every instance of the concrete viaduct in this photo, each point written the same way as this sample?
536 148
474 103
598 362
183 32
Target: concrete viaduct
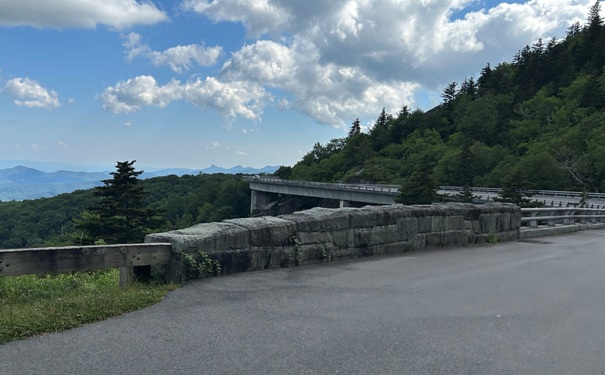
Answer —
263 187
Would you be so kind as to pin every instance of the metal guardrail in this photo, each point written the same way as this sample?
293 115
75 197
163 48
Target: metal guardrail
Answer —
545 193
533 217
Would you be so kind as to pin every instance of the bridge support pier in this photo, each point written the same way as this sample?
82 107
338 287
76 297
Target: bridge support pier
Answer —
345 204
259 200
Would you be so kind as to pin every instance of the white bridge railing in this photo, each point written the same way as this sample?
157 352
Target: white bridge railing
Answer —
534 217
389 189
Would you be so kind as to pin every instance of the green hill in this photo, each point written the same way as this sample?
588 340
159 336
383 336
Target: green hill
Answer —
539 119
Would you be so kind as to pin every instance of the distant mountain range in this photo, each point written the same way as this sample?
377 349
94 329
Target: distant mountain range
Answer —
20 182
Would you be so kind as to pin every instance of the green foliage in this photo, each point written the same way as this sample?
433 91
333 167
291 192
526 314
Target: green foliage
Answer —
419 187
120 215
466 194
180 201
542 115
516 190
493 239
32 305
200 265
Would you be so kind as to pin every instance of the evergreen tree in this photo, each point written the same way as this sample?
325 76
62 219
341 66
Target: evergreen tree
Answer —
121 215
514 190
420 186
355 128
466 194
449 94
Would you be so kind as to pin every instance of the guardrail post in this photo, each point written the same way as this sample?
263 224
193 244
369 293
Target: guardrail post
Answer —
126 276
533 223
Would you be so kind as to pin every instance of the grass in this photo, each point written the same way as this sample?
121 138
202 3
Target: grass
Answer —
33 305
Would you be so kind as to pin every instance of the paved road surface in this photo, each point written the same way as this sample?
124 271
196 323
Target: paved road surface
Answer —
534 307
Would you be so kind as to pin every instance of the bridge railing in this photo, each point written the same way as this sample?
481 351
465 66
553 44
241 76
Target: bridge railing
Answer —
52 260
545 193
393 189
533 217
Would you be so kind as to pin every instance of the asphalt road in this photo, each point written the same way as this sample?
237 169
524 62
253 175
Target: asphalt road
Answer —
533 307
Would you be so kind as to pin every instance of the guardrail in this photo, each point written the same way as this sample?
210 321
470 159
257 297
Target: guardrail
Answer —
394 189
545 193
533 217
51 260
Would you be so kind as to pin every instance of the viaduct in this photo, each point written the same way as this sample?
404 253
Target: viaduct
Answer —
264 188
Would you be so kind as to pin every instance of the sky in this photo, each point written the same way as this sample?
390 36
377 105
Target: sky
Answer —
190 83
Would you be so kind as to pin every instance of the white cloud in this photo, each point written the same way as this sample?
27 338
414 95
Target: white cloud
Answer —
342 59
231 99
216 144
142 91
259 16
26 92
179 58
116 14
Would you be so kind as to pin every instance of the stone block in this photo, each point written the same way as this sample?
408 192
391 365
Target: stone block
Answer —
419 242
320 219
307 238
342 238
425 224
452 238
438 223
267 230
207 237
455 223
488 223
434 239
407 228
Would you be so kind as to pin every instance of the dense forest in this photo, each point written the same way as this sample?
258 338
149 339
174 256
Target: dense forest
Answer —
538 121
535 122
181 202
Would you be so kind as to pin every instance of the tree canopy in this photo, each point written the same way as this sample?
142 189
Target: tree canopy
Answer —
541 115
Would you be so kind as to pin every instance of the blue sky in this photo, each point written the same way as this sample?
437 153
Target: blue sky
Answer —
189 83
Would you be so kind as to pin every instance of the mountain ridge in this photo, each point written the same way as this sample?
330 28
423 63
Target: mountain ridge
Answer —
23 182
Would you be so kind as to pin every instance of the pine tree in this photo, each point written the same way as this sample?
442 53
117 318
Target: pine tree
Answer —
355 128
121 215
419 187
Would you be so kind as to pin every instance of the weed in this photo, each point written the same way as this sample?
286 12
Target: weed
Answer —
201 267
493 239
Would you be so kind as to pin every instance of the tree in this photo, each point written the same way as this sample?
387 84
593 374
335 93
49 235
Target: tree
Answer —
449 94
120 216
355 128
420 186
284 172
514 190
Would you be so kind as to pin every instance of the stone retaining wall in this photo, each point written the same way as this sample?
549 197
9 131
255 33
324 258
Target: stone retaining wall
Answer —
321 234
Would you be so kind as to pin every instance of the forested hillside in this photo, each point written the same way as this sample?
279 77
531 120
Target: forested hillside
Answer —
181 201
538 120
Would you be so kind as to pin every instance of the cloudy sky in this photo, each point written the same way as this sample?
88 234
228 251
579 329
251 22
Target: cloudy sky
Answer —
189 83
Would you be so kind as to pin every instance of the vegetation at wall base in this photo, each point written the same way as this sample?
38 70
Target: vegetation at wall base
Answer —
35 305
